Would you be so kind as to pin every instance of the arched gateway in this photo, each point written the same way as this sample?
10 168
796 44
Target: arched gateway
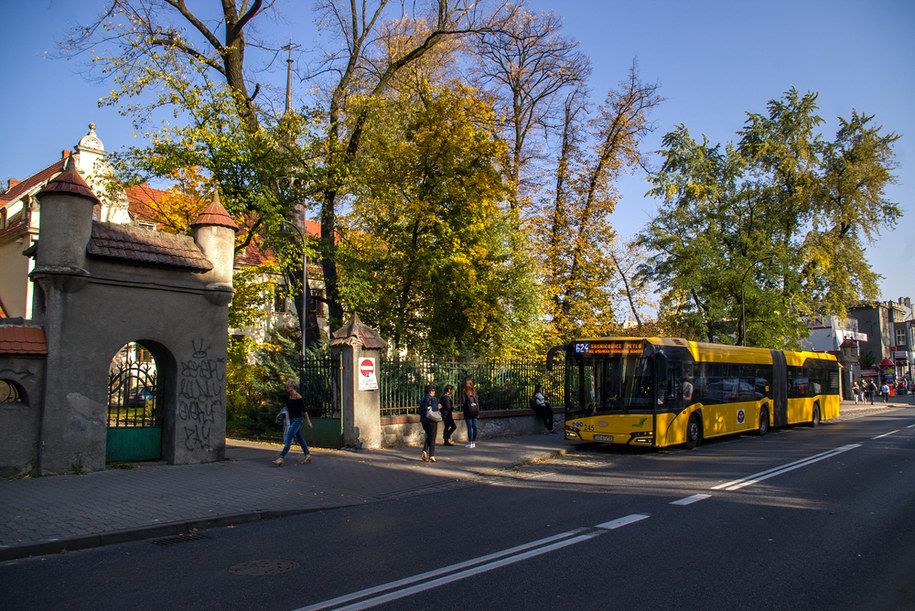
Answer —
104 286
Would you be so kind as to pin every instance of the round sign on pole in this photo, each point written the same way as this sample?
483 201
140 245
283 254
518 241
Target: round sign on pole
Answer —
367 367
367 379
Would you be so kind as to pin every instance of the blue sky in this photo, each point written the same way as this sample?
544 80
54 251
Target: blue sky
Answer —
714 60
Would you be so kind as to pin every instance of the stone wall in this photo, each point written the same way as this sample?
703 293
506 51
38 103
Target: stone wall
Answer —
400 431
20 420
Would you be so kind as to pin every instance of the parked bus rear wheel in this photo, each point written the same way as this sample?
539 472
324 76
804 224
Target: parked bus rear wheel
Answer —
815 415
693 431
763 422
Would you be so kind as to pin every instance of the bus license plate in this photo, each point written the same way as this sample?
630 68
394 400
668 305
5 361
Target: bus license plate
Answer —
603 438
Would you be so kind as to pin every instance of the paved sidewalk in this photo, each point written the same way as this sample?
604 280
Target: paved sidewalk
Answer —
49 514
46 515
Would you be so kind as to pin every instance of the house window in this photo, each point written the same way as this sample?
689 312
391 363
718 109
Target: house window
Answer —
900 337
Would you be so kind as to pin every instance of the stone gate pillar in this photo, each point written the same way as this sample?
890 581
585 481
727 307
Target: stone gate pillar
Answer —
360 349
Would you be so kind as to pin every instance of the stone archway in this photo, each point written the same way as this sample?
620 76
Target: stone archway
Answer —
103 286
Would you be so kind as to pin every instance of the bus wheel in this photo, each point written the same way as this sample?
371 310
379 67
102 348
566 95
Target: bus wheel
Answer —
763 422
693 431
815 415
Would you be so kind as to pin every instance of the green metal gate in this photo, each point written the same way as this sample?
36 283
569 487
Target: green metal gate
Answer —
319 384
134 414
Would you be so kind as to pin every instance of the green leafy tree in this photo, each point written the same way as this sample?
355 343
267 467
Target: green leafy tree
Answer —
750 238
253 412
380 48
428 256
253 285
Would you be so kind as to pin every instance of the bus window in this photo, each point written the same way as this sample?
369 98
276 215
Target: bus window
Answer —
798 382
747 390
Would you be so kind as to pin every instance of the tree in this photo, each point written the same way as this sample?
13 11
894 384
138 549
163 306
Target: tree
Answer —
577 235
365 69
181 77
757 235
195 61
526 66
427 256
176 210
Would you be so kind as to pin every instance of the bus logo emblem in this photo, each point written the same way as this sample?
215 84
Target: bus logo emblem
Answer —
741 416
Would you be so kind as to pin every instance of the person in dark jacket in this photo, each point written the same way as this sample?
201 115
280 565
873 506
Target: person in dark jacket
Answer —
470 404
542 408
295 405
446 406
428 404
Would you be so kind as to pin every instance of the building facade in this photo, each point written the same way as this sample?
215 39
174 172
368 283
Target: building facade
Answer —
20 217
888 325
841 338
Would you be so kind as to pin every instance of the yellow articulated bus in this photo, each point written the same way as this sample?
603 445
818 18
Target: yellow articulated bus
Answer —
660 391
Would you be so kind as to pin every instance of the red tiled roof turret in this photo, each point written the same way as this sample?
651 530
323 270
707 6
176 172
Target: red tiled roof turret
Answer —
69 182
215 215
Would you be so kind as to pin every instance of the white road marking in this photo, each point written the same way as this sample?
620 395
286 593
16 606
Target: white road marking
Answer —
441 576
614 524
737 484
691 499
885 434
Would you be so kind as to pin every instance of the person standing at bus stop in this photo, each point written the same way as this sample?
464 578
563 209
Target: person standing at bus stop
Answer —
885 392
470 403
446 406
429 417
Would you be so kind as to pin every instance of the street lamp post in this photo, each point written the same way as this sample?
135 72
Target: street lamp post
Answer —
284 231
743 312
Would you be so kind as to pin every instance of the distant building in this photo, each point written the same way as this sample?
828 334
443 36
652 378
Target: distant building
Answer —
20 215
828 333
840 337
889 327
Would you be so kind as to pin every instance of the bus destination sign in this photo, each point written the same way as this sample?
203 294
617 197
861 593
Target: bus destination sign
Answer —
617 348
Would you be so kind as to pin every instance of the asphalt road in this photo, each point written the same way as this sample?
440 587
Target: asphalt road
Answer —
800 519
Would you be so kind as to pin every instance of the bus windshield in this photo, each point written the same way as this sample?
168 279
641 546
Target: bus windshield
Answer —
609 385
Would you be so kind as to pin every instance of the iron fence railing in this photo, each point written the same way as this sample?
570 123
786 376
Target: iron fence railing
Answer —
501 384
133 395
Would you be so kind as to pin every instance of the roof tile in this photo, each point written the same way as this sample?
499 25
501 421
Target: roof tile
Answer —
130 243
22 340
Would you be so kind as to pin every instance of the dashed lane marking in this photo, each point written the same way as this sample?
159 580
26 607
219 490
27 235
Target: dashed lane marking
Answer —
691 499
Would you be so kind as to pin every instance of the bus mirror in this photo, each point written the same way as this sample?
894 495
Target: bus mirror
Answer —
549 356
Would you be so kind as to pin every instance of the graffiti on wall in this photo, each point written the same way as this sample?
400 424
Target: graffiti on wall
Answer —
201 395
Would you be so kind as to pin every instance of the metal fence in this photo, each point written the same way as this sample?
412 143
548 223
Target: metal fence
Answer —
133 395
319 382
501 384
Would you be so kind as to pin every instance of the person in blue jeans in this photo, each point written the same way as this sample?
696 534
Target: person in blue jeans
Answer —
297 415
470 403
